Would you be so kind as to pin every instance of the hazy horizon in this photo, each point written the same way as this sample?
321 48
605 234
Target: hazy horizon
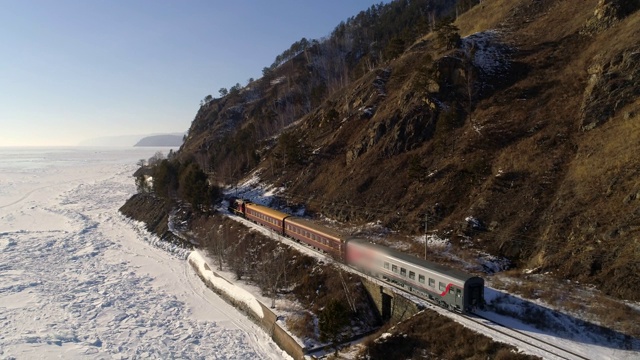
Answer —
83 70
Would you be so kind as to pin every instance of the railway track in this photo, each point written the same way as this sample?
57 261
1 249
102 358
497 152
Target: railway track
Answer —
520 339
517 337
554 350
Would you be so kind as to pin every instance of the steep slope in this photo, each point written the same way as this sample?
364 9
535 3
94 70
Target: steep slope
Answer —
529 125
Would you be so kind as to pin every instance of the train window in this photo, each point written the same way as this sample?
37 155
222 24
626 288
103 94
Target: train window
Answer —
442 286
421 278
386 265
412 275
458 293
403 271
432 282
394 268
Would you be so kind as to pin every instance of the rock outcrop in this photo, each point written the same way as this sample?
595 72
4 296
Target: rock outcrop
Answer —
609 12
612 85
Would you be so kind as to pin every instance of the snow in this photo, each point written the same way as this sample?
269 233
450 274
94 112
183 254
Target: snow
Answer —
434 242
490 56
243 290
225 286
79 280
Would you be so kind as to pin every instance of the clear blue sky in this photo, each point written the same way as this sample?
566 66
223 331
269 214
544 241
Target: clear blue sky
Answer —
71 70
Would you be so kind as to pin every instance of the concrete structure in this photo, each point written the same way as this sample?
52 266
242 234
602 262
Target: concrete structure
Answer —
392 307
267 320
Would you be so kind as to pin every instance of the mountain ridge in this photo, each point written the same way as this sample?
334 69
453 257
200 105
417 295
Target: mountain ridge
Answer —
538 147
161 140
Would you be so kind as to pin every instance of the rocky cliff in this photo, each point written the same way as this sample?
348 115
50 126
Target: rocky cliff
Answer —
528 123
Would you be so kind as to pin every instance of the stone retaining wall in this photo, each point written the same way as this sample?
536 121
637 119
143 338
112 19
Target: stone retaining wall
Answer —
267 320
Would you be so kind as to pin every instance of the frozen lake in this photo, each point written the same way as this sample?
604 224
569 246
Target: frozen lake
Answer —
78 280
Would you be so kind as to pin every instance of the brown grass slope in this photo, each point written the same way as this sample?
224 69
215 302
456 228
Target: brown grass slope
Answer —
531 126
544 154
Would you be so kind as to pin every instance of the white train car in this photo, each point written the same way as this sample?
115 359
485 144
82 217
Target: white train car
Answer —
450 288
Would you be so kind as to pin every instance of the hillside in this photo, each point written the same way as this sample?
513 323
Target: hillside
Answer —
518 140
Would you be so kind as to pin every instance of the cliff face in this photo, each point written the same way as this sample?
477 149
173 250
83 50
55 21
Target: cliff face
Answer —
530 124
151 210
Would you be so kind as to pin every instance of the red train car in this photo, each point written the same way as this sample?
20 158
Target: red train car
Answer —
265 216
315 235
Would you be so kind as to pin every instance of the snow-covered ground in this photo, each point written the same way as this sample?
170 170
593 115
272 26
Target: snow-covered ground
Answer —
78 280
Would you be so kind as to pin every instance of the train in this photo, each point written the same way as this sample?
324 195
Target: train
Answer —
450 288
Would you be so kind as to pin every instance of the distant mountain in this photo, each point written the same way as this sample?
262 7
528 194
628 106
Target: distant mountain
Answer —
173 139
123 140
161 140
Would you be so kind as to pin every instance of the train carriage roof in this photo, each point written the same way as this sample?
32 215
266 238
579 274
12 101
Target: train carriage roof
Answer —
279 215
453 273
317 228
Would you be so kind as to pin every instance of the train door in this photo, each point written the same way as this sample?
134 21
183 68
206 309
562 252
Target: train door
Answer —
458 299
475 297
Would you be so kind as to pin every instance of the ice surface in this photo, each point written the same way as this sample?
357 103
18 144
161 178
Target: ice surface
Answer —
78 280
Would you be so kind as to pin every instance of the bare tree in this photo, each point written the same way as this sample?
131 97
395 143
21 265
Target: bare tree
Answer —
156 158
218 240
271 271
470 75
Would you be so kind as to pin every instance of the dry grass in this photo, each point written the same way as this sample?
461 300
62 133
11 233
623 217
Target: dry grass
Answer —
302 325
611 148
486 16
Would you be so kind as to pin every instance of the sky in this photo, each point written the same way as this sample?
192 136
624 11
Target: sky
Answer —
73 70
